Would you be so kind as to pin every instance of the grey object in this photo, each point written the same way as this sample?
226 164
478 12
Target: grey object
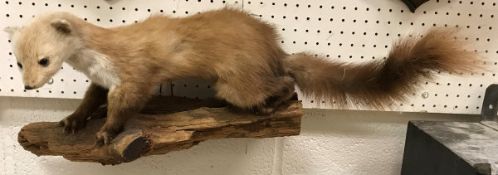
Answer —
456 148
490 104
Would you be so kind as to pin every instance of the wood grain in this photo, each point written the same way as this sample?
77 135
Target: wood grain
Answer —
167 124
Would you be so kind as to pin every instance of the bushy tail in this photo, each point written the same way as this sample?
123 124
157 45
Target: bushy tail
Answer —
380 83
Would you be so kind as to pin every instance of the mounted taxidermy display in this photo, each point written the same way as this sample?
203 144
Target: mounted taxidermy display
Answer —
235 50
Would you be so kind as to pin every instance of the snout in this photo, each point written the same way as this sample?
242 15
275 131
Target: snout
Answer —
35 82
31 87
27 87
35 77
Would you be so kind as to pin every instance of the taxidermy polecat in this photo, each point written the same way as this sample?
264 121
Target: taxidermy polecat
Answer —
238 52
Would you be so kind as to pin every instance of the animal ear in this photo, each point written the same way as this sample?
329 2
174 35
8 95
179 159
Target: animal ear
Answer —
11 30
62 26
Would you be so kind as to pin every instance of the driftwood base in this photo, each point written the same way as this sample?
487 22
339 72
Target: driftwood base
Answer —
159 130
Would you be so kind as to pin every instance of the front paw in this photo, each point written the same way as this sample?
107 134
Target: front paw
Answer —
105 136
73 123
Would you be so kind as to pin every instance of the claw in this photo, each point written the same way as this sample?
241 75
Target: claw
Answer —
65 130
105 136
99 142
72 124
73 128
106 141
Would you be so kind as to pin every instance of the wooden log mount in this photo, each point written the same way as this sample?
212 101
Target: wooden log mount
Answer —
167 124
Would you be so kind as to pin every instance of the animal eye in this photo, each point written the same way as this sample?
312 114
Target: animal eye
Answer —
44 62
19 65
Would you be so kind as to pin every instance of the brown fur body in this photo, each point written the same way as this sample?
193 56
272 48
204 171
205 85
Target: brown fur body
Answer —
242 56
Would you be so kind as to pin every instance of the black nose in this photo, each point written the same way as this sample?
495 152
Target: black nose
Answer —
28 87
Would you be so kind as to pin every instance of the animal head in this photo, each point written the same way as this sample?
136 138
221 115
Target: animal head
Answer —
42 46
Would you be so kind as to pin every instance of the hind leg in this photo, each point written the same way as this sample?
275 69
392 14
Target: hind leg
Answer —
262 96
285 93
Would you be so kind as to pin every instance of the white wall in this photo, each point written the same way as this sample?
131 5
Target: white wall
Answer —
332 142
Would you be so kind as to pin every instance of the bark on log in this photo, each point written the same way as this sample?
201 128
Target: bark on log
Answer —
159 129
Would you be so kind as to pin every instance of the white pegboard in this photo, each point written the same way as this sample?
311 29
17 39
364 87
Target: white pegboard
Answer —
350 31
